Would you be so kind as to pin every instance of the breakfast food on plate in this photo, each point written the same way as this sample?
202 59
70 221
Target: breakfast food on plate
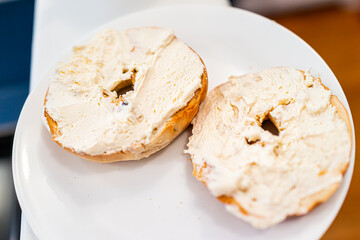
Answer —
260 176
125 94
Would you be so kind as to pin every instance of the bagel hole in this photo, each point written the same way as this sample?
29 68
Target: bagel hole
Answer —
123 87
269 126
126 86
124 90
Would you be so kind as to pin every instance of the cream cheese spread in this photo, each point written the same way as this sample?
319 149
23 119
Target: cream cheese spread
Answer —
84 97
269 175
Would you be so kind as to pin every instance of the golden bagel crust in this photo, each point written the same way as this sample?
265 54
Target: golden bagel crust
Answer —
309 202
174 126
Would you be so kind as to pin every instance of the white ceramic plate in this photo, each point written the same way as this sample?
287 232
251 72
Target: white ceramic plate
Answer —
65 197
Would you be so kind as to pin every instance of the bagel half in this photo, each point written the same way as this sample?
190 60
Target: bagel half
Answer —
145 84
264 178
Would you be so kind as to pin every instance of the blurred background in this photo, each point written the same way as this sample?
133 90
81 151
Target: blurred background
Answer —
28 29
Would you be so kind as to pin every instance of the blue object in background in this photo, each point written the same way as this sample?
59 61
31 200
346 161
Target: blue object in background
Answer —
16 26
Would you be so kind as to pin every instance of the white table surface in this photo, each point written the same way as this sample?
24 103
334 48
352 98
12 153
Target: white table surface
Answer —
59 24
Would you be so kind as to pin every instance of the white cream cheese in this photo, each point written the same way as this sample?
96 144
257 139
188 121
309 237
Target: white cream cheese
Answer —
269 175
82 99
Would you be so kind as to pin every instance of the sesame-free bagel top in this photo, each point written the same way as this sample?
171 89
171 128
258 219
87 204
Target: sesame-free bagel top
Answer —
89 112
263 177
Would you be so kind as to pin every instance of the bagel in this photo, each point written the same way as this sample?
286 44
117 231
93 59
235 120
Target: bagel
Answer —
260 176
125 94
